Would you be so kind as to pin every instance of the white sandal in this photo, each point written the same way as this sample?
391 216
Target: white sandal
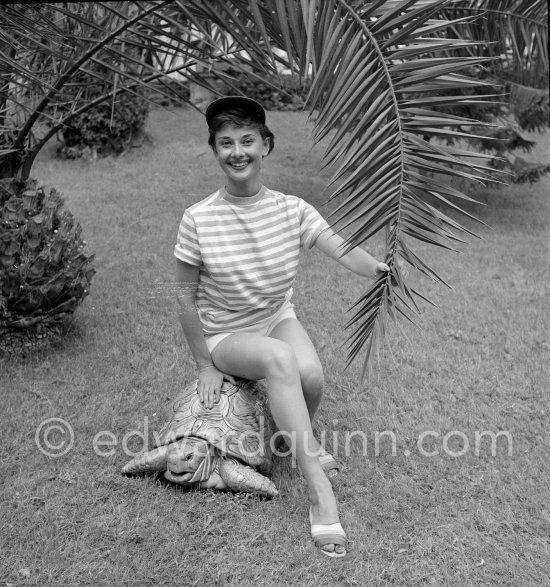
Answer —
323 534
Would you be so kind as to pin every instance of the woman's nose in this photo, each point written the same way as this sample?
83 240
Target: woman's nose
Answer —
237 149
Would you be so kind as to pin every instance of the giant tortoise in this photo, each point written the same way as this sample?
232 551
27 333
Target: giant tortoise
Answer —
225 447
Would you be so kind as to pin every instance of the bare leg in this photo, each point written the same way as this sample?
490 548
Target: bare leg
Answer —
309 365
311 373
253 356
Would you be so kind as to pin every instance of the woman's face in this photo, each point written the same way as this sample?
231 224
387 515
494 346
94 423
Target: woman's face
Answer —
239 151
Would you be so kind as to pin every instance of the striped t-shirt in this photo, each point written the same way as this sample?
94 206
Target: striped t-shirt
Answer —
247 250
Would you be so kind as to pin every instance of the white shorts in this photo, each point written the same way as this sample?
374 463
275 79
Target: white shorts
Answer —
264 327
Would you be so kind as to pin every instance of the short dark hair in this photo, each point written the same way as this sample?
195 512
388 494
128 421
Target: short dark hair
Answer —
238 118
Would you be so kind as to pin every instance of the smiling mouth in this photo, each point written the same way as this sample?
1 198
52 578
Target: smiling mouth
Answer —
241 165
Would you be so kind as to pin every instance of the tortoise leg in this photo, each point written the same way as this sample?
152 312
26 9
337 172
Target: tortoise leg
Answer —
239 477
149 462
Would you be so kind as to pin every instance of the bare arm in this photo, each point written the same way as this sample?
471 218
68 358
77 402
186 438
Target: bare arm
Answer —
210 379
357 260
187 278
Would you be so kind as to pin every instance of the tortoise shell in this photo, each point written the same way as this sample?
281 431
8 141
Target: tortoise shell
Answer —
238 426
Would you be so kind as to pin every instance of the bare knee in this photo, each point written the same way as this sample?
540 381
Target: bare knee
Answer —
280 360
311 375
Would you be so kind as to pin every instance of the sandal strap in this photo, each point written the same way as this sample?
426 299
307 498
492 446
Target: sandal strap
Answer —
328 462
328 534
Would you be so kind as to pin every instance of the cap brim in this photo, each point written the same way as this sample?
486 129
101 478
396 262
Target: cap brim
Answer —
251 107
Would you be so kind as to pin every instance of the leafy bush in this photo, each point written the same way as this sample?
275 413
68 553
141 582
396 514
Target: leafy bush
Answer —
105 130
45 272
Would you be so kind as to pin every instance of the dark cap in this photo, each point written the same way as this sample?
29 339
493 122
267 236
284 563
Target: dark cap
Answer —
251 107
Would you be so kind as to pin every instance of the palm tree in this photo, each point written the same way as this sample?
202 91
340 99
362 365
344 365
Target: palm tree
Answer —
378 70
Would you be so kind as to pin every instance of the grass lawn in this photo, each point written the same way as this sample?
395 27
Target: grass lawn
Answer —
445 512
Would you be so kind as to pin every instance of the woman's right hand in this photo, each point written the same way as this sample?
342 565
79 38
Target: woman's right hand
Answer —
210 385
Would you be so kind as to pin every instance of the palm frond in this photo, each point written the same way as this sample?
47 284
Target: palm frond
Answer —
374 75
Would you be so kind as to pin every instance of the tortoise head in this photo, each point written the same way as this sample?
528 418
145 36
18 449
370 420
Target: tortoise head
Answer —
193 458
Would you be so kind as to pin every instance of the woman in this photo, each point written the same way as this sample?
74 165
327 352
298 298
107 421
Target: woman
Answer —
237 256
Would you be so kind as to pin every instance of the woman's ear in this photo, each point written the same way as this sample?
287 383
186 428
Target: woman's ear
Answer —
267 144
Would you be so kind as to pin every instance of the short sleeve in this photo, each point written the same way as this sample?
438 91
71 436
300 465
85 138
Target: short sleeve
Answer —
187 245
312 224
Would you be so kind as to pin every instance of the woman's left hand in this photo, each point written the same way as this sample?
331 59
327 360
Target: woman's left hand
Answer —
210 384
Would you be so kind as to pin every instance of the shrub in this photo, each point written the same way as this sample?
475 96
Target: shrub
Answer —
45 272
105 130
